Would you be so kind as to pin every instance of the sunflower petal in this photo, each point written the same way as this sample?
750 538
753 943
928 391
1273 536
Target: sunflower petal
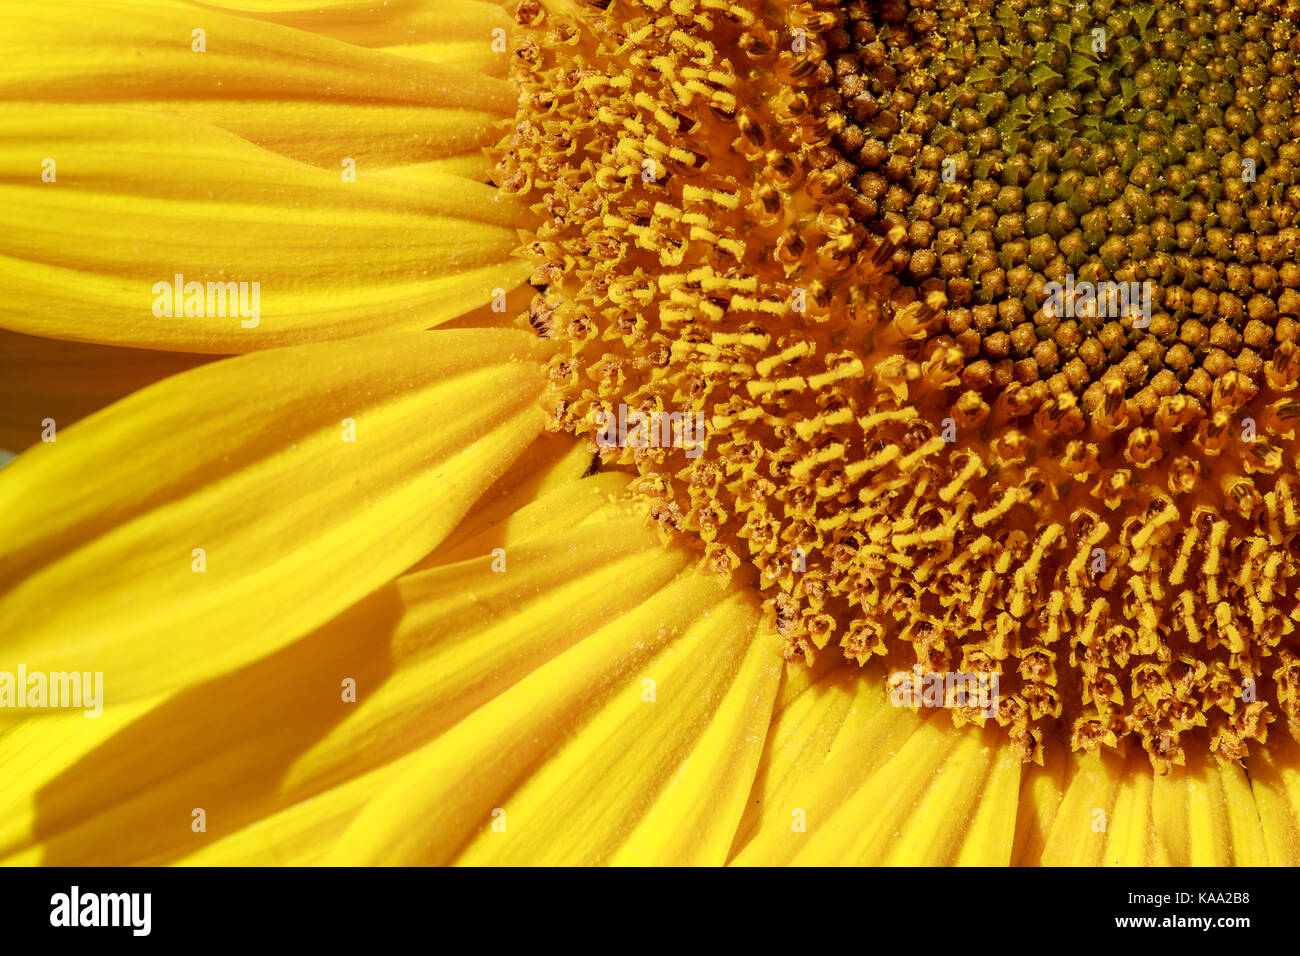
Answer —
380 136
570 506
265 749
35 750
298 835
46 382
833 730
315 97
1105 816
1275 783
294 521
1117 812
1040 797
947 797
1247 838
122 789
583 719
551 463
93 256
719 772
441 31
1193 819
462 641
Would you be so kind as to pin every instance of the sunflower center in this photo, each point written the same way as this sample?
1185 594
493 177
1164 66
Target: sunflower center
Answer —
936 323
1105 191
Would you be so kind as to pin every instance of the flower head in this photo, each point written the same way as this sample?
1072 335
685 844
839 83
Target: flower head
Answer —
957 337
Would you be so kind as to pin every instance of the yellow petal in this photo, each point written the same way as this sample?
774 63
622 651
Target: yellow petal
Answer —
1041 790
585 768
123 788
34 751
44 381
659 776
1117 811
694 819
551 463
442 31
1275 782
94 256
503 312
1201 819
1247 837
468 633
375 137
833 730
947 797
474 164
266 749
298 835
1078 833
570 506
1105 816
315 97
247 460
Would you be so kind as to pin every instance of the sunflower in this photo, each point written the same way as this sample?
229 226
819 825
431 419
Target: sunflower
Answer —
656 432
